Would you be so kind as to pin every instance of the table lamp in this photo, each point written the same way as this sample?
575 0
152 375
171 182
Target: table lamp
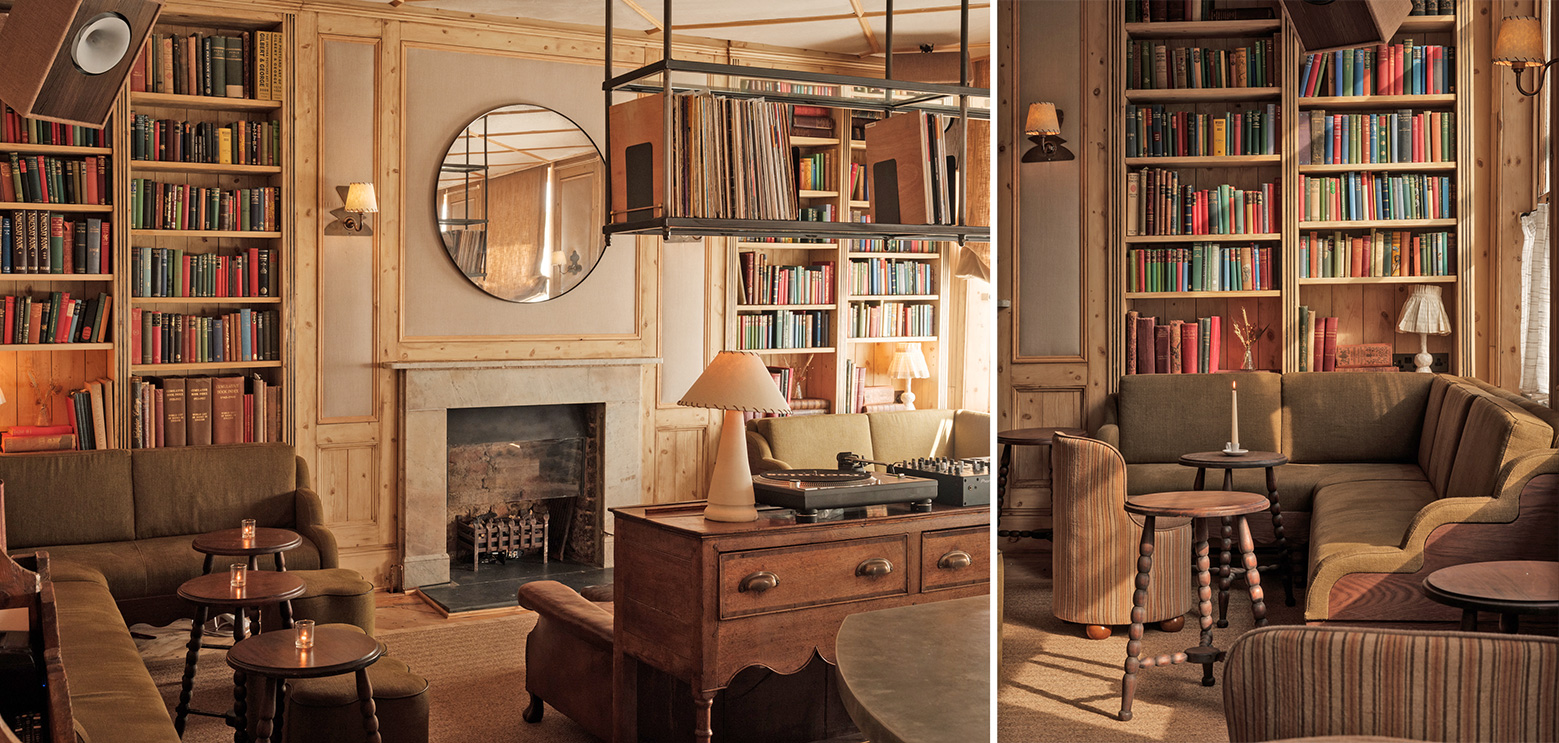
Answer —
1423 313
908 363
735 381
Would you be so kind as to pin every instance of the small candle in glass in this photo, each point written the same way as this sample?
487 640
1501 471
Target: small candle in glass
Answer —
238 574
305 628
246 529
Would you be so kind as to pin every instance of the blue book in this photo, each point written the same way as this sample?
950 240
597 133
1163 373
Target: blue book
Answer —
5 244
1358 72
1345 153
246 347
1326 145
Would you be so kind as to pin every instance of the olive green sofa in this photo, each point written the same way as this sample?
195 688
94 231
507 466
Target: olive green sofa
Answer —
814 441
1391 476
118 524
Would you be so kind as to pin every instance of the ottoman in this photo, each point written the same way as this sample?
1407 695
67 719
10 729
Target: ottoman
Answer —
335 596
326 710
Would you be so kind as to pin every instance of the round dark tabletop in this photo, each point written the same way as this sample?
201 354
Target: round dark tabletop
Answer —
1248 460
885 682
1197 503
1034 436
263 587
267 541
1507 586
335 651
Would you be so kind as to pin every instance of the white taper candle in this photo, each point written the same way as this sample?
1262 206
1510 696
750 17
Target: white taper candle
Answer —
1234 415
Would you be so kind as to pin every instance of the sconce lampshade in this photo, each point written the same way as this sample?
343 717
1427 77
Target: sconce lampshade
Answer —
1520 42
1424 312
909 363
1042 120
360 198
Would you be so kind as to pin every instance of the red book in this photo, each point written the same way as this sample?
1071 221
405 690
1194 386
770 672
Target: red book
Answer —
10 319
39 430
135 335
1215 344
1161 349
106 249
1131 340
184 271
248 432
1190 344
254 272
1329 356
1145 355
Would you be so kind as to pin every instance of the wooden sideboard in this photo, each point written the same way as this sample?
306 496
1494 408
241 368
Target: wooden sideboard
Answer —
701 600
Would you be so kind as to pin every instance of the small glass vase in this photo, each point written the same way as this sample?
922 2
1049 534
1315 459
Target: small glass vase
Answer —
1250 364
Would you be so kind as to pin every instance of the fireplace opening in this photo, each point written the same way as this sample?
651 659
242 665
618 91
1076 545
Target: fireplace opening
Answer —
525 481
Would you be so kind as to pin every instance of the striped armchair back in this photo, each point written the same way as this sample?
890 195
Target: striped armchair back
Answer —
1294 682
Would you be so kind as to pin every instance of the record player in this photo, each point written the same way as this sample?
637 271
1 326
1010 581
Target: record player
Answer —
811 491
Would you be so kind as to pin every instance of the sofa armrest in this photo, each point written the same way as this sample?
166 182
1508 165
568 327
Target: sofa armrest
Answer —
1110 430
310 522
760 457
1502 507
564 605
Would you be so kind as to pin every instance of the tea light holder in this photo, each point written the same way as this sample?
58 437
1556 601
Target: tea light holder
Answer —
246 529
305 629
238 574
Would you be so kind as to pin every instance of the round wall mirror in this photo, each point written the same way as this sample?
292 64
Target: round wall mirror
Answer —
519 203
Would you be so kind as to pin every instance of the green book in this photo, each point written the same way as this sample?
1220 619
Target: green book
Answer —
218 66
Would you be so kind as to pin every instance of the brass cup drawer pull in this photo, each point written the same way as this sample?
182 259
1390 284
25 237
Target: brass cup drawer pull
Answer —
955 560
758 582
875 567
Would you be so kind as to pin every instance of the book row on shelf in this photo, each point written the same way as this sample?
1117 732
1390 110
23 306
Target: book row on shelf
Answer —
180 206
892 246
246 65
811 121
171 272
1320 351
1395 253
1144 11
39 242
879 276
1174 347
55 319
816 171
735 160
1157 204
1376 196
1153 131
195 411
40 179
766 284
1403 136
18 129
175 338
237 143
892 320
1154 65
1385 69
789 383
93 417
1203 267
861 397
783 329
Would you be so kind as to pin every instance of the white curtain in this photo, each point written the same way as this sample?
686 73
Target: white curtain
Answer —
1535 307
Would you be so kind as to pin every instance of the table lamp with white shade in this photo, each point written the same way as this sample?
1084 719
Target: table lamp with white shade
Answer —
909 363
1424 313
735 382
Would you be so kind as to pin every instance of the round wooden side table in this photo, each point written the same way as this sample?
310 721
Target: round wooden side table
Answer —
262 588
274 657
1509 587
230 543
1200 506
1022 437
1267 460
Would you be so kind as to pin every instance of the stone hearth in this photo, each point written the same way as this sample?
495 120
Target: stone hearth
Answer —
429 389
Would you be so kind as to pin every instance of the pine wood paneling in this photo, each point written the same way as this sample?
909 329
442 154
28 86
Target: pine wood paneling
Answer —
680 471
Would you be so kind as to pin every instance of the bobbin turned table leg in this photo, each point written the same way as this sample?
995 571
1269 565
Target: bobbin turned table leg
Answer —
1258 606
1204 594
1285 560
1139 615
1225 574
365 695
191 658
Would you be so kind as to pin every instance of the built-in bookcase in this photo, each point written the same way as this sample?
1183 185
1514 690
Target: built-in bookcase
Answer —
1184 113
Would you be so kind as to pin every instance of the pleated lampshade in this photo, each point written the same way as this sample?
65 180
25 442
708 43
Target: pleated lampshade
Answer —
909 362
736 380
1424 312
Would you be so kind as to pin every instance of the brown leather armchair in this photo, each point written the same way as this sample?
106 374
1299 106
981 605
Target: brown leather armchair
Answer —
568 656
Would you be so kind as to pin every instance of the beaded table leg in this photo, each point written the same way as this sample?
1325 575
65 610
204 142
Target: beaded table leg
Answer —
1285 561
264 728
240 707
365 695
1469 620
1258 607
1139 614
1225 574
181 712
1204 594
1001 474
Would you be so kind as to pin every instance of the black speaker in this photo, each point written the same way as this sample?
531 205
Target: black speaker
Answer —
66 60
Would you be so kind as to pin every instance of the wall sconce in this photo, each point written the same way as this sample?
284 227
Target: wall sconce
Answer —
1520 46
1044 130
360 200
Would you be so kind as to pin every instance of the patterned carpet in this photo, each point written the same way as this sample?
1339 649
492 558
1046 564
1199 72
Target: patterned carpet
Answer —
475 671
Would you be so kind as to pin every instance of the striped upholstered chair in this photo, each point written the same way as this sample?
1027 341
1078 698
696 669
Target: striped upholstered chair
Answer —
1293 682
1096 544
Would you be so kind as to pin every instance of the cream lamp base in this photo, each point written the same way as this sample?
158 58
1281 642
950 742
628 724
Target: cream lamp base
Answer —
1424 360
908 398
730 485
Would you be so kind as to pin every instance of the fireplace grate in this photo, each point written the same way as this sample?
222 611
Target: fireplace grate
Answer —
503 537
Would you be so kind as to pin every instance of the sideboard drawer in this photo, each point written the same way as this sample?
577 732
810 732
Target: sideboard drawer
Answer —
955 557
778 579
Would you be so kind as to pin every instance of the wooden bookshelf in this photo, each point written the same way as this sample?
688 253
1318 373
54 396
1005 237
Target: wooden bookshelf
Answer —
202 102
162 166
1367 306
69 208
23 148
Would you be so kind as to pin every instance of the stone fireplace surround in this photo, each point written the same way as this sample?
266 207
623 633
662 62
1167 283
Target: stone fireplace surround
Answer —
430 388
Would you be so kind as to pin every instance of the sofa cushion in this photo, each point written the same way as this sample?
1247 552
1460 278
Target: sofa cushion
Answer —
118 563
154 567
1542 411
231 483
111 694
908 434
1364 516
1353 417
1497 430
816 440
68 498
1163 416
971 434
1431 425
1448 434
1297 483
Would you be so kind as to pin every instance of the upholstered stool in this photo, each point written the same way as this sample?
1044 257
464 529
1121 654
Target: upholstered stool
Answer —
335 596
326 710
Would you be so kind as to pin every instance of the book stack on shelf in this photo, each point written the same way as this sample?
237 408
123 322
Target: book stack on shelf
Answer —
237 143
236 337
170 272
1155 65
1378 254
1173 347
55 319
1386 69
1157 203
1154 131
39 242
195 411
892 320
886 277
245 64
1203 267
1402 136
